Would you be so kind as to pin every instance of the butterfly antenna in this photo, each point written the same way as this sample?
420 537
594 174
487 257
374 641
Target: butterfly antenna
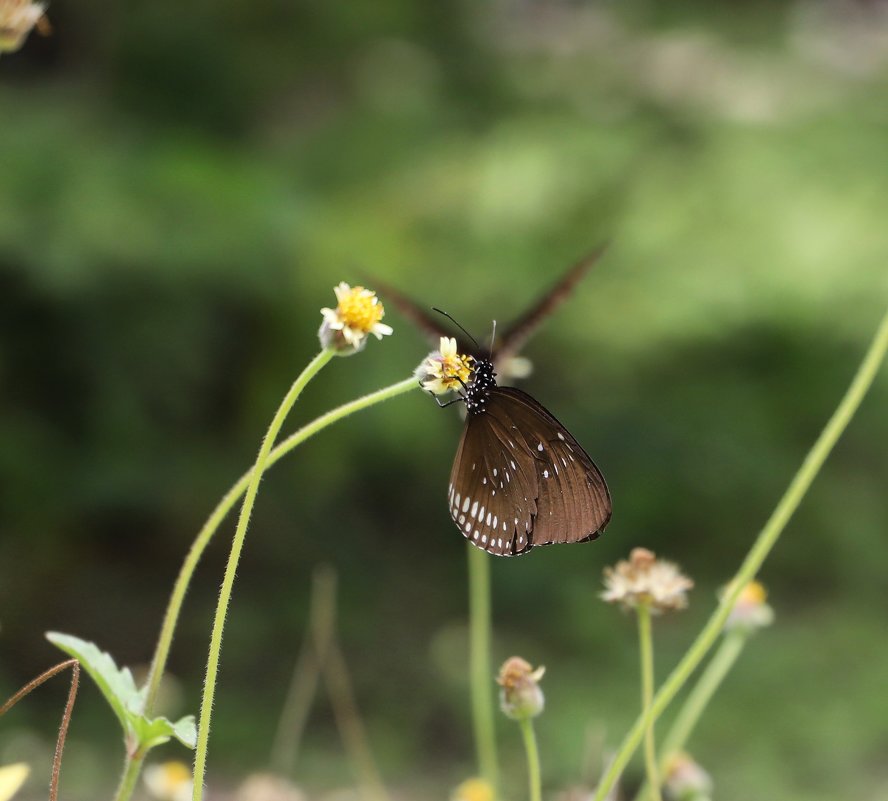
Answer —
441 311
493 336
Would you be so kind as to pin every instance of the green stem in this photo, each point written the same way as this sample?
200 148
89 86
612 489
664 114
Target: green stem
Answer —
646 649
131 769
177 598
206 706
760 549
479 665
699 698
533 759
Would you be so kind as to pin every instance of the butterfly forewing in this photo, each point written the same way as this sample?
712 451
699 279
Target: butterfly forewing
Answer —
520 479
492 493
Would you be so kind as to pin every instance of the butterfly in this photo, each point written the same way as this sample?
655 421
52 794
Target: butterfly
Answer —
504 352
519 478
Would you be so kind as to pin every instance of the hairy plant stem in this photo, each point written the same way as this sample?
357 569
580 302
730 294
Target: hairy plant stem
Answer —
206 705
177 598
759 551
131 768
533 759
481 673
646 651
66 714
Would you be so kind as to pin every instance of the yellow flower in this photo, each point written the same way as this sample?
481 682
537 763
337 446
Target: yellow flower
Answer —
12 777
445 369
357 315
646 580
17 18
750 611
169 781
473 790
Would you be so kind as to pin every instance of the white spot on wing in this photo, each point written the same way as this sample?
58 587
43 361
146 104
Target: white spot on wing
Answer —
475 509
465 505
540 447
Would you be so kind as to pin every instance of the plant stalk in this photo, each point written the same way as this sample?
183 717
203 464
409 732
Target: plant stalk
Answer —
646 651
759 551
481 673
533 759
177 598
206 706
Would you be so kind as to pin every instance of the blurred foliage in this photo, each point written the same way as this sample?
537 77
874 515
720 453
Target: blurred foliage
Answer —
184 184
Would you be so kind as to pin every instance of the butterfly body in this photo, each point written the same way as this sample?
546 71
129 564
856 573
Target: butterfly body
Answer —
519 478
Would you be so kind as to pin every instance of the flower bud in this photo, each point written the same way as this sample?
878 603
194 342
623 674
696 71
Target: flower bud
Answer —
685 780
520 697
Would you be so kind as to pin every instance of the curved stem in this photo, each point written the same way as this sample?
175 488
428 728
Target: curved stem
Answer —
760 549
177 598
481 673
206 706
533 759
646 650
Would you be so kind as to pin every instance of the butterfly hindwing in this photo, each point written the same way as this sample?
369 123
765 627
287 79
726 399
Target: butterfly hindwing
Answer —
520 479
573 502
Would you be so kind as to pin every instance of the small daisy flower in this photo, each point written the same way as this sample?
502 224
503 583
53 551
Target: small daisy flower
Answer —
17 18
520 697
169 781
685 780
644 579
445 369
357 315
750 612
473 790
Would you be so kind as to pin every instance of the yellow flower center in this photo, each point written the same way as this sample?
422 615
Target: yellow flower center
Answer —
753 593
360 309
456 369
474 790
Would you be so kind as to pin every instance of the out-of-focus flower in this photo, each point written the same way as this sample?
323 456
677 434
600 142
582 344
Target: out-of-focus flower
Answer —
520 697
268 787
12 777
685 780
357 315
644 579
445 369
751 611
17 18
473 790
169 781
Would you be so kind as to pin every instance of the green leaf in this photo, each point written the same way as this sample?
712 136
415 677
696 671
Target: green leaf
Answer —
127 701
159 730
116 684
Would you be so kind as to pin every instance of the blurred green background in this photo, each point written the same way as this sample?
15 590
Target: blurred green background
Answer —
182 186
